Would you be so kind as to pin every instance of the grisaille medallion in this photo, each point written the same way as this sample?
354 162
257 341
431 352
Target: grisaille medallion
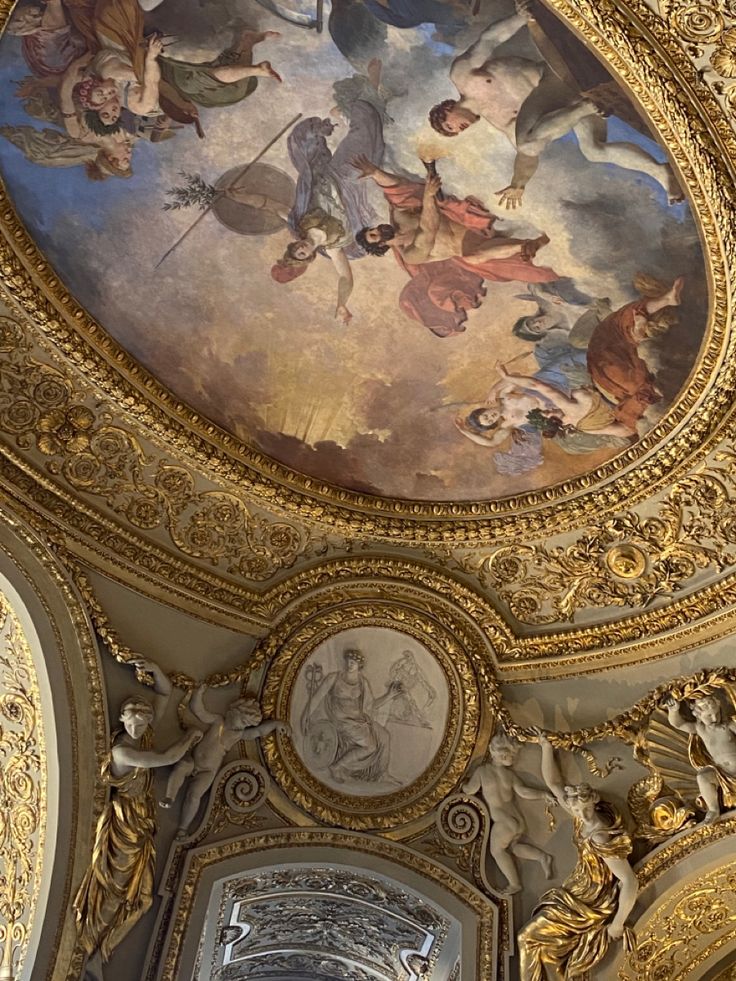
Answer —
368 711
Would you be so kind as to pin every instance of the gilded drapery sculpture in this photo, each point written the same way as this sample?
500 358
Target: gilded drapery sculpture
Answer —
118 887
573 924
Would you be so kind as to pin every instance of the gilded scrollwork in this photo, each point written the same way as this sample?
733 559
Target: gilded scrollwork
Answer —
581 573
23 778
627 560
706 31
685 930
85 444
461 834
691 619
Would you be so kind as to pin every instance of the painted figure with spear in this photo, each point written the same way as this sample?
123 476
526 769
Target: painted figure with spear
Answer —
331 203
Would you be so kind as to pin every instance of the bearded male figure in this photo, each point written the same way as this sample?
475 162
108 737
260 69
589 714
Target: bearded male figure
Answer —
447 246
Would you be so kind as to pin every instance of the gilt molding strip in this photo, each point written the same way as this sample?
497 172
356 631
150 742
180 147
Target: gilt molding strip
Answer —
644 59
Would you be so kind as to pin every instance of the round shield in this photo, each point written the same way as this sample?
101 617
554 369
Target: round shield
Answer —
320 745
259 178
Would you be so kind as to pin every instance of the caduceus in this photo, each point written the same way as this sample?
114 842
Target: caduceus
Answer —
313 674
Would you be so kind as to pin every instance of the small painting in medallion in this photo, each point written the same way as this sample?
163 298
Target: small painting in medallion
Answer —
369 710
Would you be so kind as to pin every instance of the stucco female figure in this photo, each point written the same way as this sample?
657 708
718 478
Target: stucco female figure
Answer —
572 925
118 887
346 699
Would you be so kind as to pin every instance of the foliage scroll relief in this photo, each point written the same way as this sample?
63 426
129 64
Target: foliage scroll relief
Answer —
350 696
23 777
84 445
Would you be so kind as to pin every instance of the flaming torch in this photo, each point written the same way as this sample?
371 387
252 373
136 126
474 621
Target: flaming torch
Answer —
431 167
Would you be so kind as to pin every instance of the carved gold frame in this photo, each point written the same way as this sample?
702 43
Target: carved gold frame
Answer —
25 811
490 916
648 60
659 945
66 956
296 641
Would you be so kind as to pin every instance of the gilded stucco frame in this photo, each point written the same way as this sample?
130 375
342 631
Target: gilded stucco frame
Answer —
490 915
70 647
671 927
651 64
386 811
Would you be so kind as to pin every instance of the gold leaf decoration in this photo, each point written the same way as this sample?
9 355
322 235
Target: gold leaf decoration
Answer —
628 560
93 454
22 787
686 929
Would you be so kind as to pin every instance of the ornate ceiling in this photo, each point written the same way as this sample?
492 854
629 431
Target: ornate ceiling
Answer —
489 440
606 531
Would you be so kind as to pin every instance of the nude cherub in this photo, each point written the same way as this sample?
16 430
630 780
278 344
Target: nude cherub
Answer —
243 719
716 767
499 786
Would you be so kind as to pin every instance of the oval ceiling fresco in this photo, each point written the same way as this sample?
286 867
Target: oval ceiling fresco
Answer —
417 248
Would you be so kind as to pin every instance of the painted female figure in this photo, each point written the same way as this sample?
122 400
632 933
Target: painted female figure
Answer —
363 745
572 925
527 409
118 887
331 203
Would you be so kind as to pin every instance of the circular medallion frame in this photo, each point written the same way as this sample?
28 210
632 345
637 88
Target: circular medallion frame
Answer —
284 687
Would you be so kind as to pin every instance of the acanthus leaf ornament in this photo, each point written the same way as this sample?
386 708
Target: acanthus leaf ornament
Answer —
628 560
85 446
686 929
22 790
707 31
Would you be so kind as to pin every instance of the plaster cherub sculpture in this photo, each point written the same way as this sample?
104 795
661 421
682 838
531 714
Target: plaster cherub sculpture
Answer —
243 719
711 749
499 787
